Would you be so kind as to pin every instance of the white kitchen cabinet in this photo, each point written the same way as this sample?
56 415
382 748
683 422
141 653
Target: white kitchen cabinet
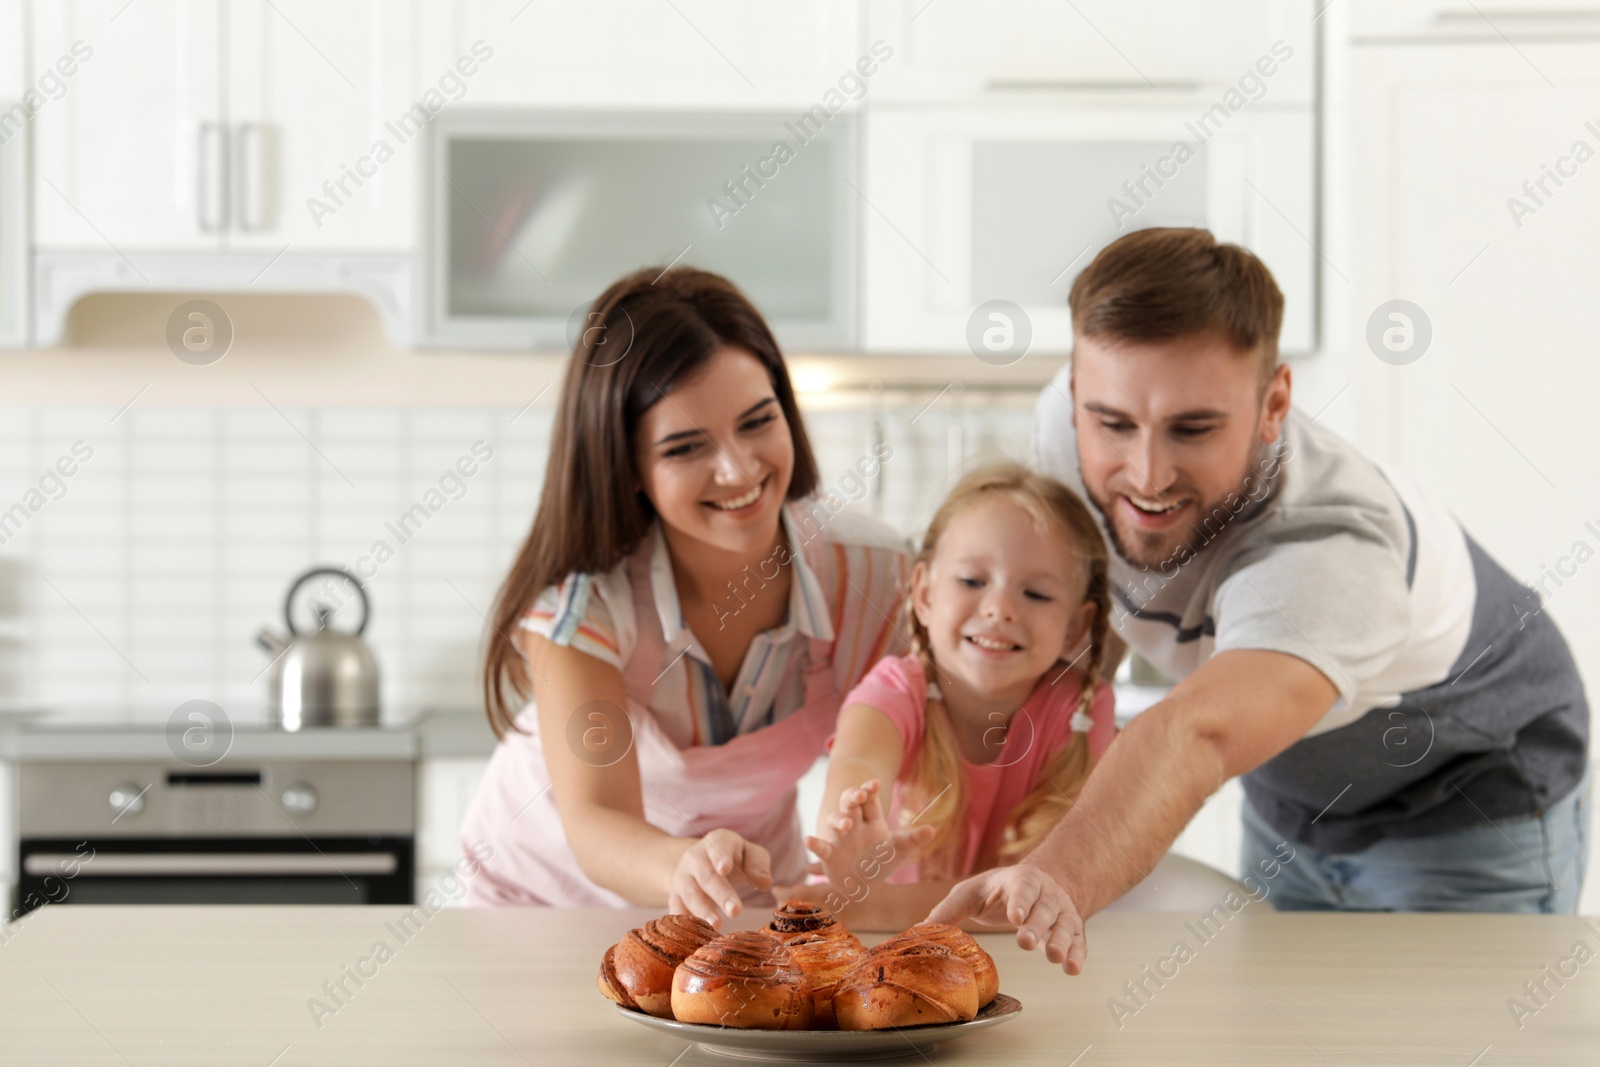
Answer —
121 159
985 201
445 788
15 113
718 54
956 48
317 94
1477 199
208 124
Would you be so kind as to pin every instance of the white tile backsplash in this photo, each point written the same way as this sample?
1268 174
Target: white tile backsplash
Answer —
144 585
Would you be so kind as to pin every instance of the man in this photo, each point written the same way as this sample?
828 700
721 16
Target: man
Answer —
1410 727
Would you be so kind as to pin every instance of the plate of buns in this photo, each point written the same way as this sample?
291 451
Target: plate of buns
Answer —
804 987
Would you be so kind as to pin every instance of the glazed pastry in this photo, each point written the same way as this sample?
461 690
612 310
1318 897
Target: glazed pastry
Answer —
746 979
637 971
794 918
825 958
964 945
913 983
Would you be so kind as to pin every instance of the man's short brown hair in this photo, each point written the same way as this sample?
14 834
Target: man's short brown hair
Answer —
1161 283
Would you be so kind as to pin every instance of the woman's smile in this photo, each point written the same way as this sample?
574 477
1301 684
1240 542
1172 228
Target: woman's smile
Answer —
718 459
745 504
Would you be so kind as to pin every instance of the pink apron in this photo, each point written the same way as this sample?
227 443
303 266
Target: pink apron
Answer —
746 785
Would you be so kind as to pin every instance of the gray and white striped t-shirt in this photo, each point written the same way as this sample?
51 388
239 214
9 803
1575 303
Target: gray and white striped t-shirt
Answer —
1458 698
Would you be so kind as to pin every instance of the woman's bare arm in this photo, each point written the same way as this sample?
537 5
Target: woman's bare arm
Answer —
594 776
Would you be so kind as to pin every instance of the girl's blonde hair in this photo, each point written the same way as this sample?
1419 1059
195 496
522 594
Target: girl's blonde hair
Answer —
936 780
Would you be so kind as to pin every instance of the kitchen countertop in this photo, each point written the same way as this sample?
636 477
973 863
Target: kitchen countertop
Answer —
234 986
431 735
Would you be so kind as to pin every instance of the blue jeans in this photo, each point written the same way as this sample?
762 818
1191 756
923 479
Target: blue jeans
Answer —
1530 864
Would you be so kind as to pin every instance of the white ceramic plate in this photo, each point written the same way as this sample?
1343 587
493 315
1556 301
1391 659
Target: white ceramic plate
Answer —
790 1045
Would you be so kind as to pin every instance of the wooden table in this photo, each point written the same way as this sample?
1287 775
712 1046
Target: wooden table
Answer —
221 986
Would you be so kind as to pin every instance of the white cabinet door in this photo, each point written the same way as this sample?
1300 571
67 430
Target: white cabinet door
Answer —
1477 198
445 790
16 111
647 54
968 204
962 47
324 150
13 77
129 155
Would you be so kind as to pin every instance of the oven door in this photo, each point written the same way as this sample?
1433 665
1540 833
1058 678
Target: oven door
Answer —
200 870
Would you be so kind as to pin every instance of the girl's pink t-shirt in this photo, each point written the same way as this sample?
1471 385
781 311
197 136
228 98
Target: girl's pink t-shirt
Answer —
1040 728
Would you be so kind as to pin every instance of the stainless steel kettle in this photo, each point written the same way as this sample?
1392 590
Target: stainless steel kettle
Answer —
326 677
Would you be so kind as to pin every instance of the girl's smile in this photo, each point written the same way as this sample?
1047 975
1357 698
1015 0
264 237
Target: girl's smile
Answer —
1002 599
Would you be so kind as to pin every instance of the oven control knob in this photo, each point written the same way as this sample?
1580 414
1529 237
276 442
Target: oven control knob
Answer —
300 799
127 799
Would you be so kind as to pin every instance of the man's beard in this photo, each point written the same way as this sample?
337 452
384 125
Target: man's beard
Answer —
1154 550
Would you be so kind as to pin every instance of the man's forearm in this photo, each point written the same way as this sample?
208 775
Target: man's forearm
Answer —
1143 792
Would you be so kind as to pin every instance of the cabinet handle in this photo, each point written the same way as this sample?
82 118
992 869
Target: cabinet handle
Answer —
1089 85
1573 23
215 864
252 194
1526 18
211 177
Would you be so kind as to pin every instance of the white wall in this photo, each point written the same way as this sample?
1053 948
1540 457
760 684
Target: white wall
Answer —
209 488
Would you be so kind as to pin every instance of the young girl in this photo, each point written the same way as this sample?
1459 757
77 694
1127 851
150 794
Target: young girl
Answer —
684 613
988 728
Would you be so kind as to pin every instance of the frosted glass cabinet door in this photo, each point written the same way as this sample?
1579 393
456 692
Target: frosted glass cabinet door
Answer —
132 154
536 217
1005 202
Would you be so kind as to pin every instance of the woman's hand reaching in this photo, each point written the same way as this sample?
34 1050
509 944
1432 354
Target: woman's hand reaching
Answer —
702 884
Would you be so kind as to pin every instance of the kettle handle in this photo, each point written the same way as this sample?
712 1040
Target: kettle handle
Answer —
340 572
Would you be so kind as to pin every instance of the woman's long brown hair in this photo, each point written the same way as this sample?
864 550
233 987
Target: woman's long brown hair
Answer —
936 787
645 334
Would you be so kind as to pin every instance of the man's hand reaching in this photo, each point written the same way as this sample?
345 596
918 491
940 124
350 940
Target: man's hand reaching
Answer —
1026 897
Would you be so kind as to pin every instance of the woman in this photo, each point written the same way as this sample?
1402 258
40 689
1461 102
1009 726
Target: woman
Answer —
684 622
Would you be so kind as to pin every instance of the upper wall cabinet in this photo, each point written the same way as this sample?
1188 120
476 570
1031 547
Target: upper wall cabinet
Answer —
217 124
323 112
978 203
15 113
131 155
954 48
631 54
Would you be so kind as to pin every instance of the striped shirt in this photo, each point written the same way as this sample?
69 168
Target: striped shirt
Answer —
846 588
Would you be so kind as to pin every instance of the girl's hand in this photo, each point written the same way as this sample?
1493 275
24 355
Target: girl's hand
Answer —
856 844
702 884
